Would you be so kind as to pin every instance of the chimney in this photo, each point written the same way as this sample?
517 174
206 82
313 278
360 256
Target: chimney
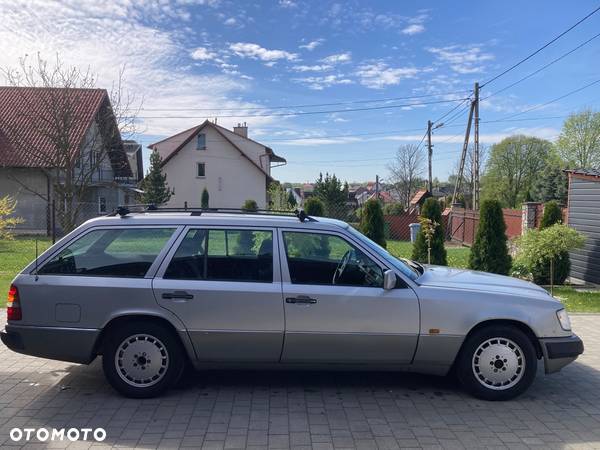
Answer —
241 130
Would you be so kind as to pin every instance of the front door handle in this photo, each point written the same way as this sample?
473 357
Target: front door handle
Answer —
177 295
303 299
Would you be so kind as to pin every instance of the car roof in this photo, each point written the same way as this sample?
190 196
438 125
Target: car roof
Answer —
216 219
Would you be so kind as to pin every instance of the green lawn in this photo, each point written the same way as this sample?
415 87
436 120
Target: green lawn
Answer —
14 255
578 300
457 256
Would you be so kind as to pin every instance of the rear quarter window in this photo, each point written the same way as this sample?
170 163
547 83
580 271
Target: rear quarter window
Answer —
122 252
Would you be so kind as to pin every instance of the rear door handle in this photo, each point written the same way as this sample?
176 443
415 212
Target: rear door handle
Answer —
302 299
177 295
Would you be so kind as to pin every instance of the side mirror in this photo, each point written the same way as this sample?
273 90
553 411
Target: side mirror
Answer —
389 280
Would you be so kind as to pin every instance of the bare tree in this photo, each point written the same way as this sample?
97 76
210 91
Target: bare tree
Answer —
70 142
406 171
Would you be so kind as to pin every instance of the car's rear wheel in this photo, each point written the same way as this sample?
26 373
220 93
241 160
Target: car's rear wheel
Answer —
497 363
142 360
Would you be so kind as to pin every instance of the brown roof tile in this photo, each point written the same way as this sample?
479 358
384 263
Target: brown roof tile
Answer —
25 144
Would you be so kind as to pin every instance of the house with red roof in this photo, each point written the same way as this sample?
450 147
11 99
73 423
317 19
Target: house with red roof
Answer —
231 166
55 141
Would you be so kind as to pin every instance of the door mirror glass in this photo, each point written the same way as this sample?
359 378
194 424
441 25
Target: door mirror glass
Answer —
389 280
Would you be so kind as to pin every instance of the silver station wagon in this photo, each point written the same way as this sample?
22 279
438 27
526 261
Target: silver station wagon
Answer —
157 290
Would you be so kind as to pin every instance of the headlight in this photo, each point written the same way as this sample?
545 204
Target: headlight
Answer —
563 319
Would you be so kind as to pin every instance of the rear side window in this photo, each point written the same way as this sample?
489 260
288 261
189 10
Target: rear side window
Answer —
124 252
223 255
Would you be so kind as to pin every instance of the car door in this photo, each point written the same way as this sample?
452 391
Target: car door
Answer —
224 284
346 317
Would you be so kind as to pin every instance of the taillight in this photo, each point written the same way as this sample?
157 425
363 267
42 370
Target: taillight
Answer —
13 305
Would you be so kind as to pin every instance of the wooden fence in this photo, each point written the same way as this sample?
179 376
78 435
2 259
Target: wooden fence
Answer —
464 222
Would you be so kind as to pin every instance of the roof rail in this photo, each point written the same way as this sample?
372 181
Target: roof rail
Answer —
123 211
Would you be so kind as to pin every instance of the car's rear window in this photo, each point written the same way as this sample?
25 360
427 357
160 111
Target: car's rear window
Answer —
122 252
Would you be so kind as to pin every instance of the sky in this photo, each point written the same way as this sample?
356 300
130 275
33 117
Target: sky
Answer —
259 62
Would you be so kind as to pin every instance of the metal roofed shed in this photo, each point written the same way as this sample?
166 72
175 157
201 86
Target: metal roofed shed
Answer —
583 215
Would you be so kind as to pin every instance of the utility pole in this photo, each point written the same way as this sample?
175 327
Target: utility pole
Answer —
377 187
463 156
476 149
429 154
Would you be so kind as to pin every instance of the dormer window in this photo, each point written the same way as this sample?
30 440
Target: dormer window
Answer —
201 142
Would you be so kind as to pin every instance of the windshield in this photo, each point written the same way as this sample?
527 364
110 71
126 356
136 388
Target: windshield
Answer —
408 268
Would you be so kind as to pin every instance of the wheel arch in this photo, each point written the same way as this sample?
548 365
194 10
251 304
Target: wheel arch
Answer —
124 319
522 326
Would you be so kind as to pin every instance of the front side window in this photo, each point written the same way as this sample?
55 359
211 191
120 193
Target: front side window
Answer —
223 255
123 252
315 258
201 142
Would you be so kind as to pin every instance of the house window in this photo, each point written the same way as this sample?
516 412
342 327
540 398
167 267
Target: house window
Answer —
201 142
200 170
102 205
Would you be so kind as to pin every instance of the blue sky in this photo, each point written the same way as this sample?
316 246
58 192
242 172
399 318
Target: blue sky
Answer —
187 60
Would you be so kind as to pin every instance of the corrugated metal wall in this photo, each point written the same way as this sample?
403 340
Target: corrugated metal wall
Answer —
584 216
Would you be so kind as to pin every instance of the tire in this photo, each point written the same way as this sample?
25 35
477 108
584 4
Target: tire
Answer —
142 359
497 363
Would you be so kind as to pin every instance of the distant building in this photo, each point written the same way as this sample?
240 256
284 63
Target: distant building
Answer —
231 166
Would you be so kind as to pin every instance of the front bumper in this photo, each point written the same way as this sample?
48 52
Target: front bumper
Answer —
558 352
63 344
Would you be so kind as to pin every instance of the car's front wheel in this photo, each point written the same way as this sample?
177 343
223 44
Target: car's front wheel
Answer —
497 363
142 360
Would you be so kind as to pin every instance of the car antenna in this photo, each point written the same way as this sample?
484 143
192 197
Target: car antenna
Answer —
36 259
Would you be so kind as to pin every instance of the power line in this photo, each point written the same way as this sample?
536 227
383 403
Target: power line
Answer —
504 119
450 111
531 55
564 55
306 113
310 105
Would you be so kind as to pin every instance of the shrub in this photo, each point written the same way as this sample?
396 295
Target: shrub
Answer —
431 210
250 205
371 222
552 214
538 247
7 223
489 252
314 207
540 271
393 209
204 200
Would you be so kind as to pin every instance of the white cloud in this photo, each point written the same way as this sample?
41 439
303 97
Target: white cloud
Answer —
378 74
230 22
337 58
313 68
112 35
288 4
319 83
255 51
462 59
203 54
485 138
413 29
312 44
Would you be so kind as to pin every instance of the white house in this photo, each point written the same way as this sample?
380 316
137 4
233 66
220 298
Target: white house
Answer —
232 167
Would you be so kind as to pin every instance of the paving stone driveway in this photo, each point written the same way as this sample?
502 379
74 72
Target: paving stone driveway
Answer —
306 409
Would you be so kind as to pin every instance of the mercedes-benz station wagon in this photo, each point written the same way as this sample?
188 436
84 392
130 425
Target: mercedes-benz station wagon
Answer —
155 291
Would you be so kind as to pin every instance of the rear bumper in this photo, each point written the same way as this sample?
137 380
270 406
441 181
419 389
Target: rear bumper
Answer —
558 352
63 344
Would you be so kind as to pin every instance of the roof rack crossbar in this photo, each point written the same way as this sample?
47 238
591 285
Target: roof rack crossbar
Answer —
150 208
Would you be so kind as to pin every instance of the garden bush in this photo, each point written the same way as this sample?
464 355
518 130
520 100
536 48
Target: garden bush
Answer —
431 210
489 252
371 222
540 271
250 205
314 207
